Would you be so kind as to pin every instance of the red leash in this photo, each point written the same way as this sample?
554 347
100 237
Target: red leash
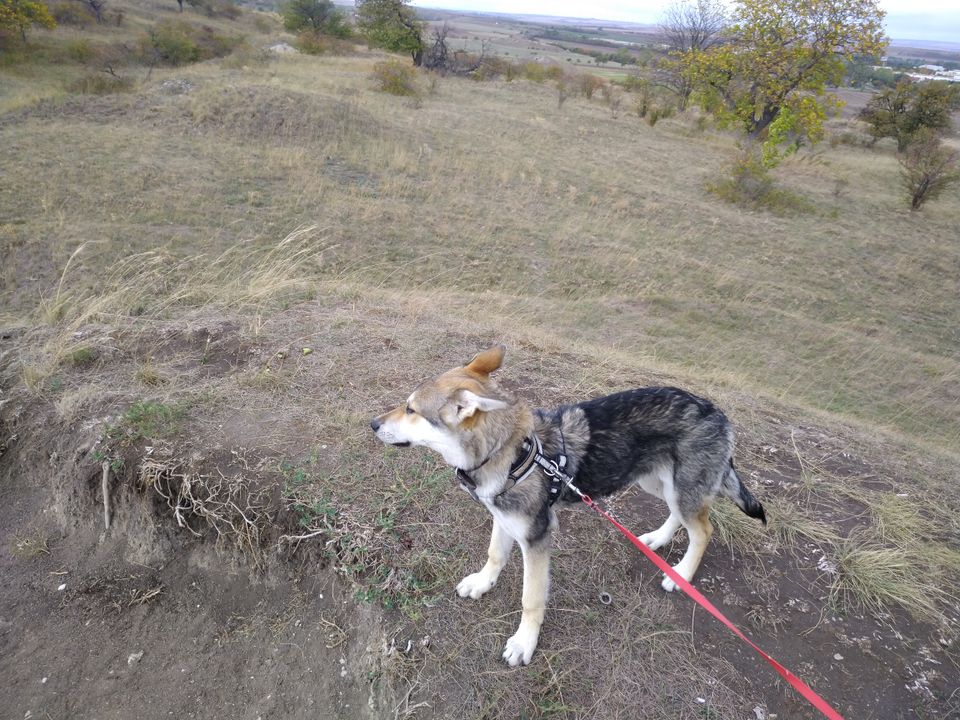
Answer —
799 685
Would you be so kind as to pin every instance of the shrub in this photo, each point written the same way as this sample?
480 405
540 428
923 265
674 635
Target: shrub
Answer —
588 84
179 43
494 67
71 13
902 111
80 51
634 83
927 168
396 78
534 71
749 183
313 43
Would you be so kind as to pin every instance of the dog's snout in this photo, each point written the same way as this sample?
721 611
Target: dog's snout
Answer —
375 424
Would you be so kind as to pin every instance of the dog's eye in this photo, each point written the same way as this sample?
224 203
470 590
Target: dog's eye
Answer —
409 410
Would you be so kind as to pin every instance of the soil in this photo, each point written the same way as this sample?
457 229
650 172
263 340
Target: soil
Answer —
187 638
147 621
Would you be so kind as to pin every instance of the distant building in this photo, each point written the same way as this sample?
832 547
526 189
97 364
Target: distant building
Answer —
932 68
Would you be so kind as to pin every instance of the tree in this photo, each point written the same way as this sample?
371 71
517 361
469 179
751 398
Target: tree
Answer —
320 16
392 25
927 167
693 24
903 110
769 75
18 15
687 26
437 55
96 7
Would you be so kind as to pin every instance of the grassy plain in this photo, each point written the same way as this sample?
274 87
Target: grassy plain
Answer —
419 229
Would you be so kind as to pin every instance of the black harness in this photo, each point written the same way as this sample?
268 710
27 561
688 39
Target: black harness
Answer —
521 469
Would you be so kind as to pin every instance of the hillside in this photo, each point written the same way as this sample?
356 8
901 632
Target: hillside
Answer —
212 280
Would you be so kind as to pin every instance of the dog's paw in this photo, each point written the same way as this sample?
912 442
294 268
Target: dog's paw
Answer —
669 585
474 586
654 540
519 649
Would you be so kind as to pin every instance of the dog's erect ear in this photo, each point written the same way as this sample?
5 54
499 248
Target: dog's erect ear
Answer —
487 361
469 403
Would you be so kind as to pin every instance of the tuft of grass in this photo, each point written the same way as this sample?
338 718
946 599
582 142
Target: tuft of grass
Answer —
741 533
873 576
147 374
146 420
81 356
30 544
790 524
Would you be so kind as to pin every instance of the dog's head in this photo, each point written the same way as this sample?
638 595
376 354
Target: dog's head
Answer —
451 414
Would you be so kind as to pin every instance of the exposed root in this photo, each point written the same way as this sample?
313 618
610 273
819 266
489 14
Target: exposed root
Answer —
236 512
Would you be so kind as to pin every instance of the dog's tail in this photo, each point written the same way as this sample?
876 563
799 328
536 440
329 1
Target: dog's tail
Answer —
736 491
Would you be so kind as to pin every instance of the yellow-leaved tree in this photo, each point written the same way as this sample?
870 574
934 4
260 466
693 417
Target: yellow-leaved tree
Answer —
769 74
18 15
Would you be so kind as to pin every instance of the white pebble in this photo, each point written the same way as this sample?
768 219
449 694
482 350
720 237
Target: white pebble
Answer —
62 587
837 656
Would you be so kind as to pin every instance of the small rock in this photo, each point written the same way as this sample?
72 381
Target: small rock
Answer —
43 681
837 656
307 351
134 657
62 587
760 713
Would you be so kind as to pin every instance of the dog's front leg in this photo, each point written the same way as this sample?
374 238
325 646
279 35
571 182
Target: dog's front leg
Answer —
478 583
536 586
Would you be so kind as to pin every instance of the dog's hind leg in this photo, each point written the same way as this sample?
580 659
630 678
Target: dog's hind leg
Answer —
699 529
478 583
536 587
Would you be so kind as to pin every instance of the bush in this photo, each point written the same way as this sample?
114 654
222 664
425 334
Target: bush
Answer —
902 111
396 78
71 13
493 67
313 43
81 51
534 71
588 84
927 168
749 183
179 43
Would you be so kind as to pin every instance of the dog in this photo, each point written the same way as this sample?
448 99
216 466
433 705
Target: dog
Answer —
673 444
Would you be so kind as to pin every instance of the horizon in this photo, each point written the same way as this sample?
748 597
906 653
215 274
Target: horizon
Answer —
924 20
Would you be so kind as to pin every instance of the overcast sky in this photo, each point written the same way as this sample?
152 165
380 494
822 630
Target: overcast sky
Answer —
906 19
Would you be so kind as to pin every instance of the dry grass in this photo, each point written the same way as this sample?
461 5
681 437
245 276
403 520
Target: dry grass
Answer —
875 576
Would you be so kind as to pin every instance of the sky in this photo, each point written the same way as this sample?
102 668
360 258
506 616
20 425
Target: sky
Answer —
937 20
